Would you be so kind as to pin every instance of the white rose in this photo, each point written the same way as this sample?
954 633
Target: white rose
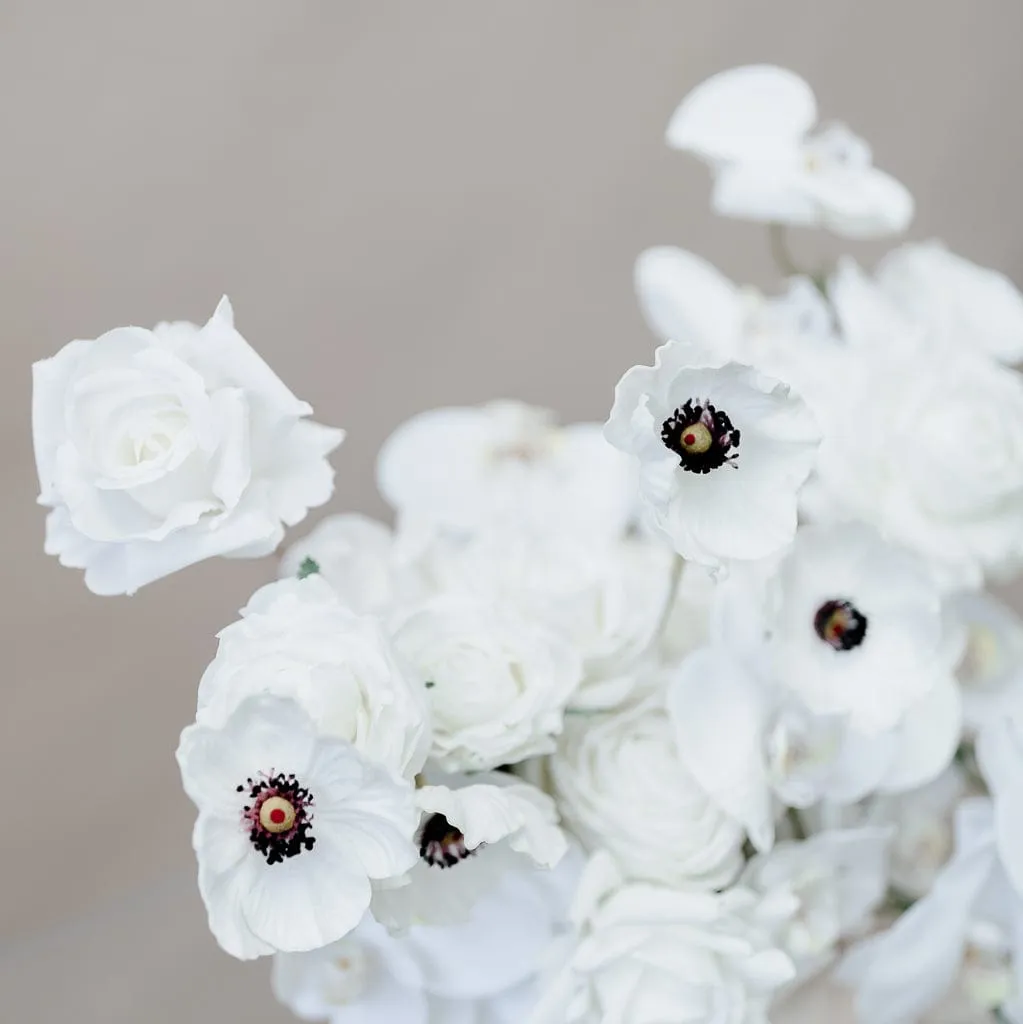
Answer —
158 449
296 639
621 785
497 683
642 953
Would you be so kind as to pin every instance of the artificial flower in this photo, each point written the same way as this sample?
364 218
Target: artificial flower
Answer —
158 449
497 682
293 826
754 126
643 952
296 638
504 466
722 452
622 785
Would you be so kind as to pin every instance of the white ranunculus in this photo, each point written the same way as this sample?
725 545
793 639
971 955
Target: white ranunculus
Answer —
296 639
753 125
622 785
293 826
855 626
158 449
833 883
644 953
722 452
505 466
932 457
960 303
497 682
965 935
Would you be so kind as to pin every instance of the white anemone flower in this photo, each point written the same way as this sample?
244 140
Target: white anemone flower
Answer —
293 827
504 466
754 126
722 452
474 830
963 938
855 626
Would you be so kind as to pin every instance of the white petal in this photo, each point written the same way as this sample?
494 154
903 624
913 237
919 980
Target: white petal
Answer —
1000 756
765 191
742 113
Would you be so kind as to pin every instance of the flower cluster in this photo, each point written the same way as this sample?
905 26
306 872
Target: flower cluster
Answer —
648 721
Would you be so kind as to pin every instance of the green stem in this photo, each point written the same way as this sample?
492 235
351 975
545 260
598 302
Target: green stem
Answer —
997 1013
669 602
778 239
796 823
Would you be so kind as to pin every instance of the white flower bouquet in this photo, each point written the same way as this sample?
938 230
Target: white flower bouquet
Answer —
641 723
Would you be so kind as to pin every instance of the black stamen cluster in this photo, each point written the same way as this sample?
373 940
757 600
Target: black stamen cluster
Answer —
277 846
840 624
724 437
442 845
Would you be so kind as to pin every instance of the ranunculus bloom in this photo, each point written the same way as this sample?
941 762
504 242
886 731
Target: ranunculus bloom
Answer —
753 125
293 825
296 639
158 449
622 785
722 452
642 953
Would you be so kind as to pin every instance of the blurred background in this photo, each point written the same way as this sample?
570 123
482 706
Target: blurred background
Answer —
411 204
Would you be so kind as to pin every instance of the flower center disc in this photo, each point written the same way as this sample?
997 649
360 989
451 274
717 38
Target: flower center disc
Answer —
840 625
702 437
696 438
277 814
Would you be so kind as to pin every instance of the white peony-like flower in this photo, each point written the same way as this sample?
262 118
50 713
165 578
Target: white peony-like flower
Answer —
474 830
722 452
622 785
496 681
293 825
505 466
855 626
643 953
933 459
965 935
832 884
158 449
296 639
959 303
754 126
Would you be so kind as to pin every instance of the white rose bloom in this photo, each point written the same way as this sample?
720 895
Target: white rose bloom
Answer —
643 953
832 883
778 749
505 466
960 304
296 639
722 452
474 829
990 667
964 936
293 825
934 460
753 125
355 555
497 682
621 784
855 626
158 449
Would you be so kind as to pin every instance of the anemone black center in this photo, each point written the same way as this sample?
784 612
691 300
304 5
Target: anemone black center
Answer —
701 436
840 624
278 816
442 845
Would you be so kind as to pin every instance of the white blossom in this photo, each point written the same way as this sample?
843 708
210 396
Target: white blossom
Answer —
158 449
754 126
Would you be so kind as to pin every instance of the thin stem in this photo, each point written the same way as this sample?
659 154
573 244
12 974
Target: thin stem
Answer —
796 823
669 602
778 239
997 1013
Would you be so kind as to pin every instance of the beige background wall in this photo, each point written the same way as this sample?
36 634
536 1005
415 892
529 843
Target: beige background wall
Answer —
410 203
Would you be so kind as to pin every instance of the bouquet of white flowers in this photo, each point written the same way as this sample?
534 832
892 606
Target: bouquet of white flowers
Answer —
641 723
